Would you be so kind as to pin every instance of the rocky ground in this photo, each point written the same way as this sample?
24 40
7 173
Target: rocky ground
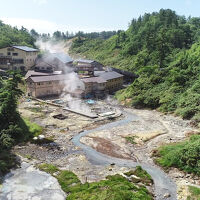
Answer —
151 130
62 152
27 182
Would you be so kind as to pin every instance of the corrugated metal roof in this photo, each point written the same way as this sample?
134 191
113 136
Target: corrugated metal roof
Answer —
25 48
110 75
93 80
63 57
48 78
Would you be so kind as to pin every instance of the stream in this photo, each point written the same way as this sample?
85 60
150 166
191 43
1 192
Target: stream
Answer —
164 185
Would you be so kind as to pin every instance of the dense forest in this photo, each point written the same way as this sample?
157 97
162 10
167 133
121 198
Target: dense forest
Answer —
14 36
61 36
163 49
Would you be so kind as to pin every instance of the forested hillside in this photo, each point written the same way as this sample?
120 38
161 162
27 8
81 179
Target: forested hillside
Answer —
163 49
14 36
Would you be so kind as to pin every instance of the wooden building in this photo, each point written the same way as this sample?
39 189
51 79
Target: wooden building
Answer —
54 62
17 57
90 63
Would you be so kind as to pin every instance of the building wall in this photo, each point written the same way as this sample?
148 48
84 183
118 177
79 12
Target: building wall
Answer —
93 87
42 89
48 88
114 84
28 58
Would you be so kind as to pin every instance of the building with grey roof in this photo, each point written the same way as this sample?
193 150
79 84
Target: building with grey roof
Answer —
25 48
54 62
63 58
18 57
90 63
109 75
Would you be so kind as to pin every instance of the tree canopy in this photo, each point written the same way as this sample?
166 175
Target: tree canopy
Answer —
162 48
14 36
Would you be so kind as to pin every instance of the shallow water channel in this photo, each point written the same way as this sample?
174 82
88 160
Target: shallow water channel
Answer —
163 183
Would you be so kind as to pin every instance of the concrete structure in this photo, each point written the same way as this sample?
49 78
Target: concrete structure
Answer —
17 57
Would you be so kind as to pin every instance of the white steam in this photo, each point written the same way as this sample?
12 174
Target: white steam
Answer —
73 85
52 46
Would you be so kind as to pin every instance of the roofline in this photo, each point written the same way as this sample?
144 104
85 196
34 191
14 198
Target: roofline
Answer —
14 46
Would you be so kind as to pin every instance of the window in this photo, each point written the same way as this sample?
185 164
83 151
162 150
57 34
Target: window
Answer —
8 53
38 83
10 49
15 54
18 61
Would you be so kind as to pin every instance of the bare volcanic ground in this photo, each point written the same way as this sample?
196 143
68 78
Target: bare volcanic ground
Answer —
106 147
138 138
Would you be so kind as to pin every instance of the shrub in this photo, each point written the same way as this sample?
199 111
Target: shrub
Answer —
184 155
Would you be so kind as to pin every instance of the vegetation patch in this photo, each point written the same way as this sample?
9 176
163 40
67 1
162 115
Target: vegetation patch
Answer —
131 139
7 161
33 128
163 49
49 168
34 109
184 155
143 176
113 188
194 193
13 128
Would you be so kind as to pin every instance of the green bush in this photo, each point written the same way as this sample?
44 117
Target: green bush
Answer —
183 155
163 49
34 129
194 193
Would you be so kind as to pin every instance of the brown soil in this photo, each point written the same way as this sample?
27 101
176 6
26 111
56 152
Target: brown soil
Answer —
107 147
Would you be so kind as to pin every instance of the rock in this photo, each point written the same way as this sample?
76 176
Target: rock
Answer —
35 138
178 175
27 182
41 137
166 195
187 176
112 164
